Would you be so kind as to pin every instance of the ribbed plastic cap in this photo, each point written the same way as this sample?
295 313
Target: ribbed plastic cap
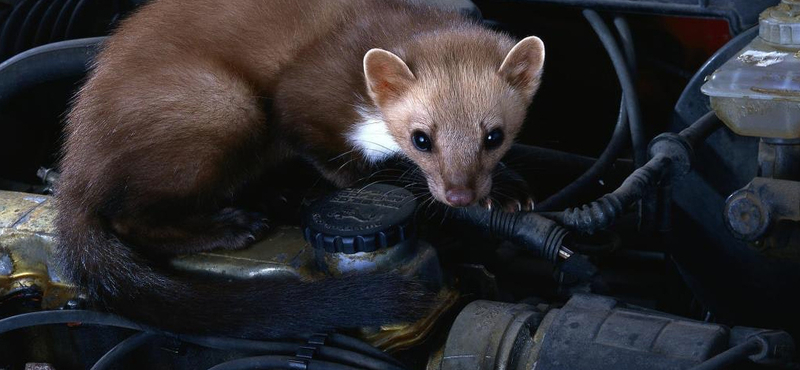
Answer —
780 24
360 219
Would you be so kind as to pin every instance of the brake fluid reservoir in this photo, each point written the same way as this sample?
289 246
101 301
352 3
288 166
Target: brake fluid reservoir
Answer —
757 93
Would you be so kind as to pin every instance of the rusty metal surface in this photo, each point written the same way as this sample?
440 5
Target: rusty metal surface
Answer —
26 242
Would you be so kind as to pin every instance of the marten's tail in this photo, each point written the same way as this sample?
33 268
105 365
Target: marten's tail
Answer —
128 284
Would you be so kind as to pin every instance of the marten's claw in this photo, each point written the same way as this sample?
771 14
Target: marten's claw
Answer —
511 192
244 227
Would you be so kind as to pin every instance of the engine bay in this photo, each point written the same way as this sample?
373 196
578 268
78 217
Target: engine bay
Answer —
663 153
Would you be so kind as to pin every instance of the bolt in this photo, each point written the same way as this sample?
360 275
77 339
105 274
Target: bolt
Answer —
746 215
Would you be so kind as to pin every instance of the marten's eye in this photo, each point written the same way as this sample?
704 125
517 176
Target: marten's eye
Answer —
493 139
421 141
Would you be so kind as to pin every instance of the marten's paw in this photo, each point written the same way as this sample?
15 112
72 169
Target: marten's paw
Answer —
243 227
510 191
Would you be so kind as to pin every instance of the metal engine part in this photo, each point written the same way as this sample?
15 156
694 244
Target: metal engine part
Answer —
590 332
755 94
762 206
27 239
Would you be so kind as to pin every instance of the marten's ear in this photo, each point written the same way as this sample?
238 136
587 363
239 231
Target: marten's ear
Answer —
388 77
522 67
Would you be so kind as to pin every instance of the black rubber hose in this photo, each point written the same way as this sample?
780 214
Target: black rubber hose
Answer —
65 317
346 357
672 158
27 30
349 352
697 132
119 351
355 345
638 138
602 213
618 143
526 158
337 355
72 25
619 138
46 63
237 344
58 33
527 153
10 27
375 360
626 36
538 235
280 363
46 23
732 356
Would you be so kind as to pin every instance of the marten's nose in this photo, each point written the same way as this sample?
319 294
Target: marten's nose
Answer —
459 197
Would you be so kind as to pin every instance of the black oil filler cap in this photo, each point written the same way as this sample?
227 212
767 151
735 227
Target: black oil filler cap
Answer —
360 219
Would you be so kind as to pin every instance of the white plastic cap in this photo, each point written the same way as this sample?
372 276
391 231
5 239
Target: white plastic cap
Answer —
780 24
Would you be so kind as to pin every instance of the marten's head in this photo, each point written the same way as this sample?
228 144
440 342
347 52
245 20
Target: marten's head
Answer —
452 103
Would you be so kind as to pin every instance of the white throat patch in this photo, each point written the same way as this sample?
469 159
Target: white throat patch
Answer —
371 136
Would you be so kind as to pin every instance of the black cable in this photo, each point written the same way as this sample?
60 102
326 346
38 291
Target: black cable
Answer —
236 344
355 359
672 157
62 20
638 137
123 348
10 28
355 345
618 143
619 138
73 23
731 356
603 212
46 24
524 158
373 359
626 36
27 30
107 319
66 317
280 363
351 350
701 129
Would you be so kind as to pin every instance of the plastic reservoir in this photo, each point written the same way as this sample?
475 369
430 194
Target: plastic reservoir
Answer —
757 92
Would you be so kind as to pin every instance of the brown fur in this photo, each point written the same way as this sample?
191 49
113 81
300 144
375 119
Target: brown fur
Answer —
171 126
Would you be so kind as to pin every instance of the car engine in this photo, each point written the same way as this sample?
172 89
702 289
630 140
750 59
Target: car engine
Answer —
663 151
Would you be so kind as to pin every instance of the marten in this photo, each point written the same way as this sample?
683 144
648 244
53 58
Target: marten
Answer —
189 102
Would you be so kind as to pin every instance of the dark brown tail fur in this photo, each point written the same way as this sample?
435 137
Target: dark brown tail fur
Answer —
126 283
